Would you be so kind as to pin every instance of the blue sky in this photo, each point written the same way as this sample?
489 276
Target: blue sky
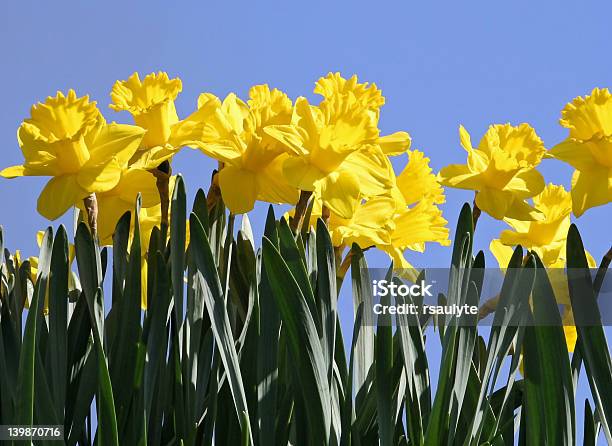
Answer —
438 64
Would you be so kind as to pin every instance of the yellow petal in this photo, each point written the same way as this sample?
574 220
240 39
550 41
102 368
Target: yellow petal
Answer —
417 180
591 189
334 87
135 181
238 189
575 153
289 136
59 195
64 117
340 193
101 177
394 144
301 174
373 169
569 329
235 111
144 277
526 184
272 186
589 115
494 202
501 252
460 177
465 139
152 158
207 124
13 172
420 224
521 210
401 266
138 96
114 140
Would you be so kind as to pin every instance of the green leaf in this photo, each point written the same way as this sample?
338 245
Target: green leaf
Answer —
303 342
200 208
178 211
590 431
215 305
58 319
384 373
267 361
24 411
549 395
591 338
362 293
107 422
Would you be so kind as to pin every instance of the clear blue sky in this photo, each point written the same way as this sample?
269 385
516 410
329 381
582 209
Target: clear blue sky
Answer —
438 64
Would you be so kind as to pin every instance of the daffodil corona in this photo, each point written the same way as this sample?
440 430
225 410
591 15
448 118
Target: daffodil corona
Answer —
501 170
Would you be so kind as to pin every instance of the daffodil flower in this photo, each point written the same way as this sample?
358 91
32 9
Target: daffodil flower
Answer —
413 227
233 133
418 219
151 103
320 143
338 91
369 226
67 138
588 149
547 238
336 147
501 170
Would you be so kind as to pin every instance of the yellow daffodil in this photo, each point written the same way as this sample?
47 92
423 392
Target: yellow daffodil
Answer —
413 227
417 218
588 149
369 226
151 103
501 170
336 147
233 133
338 91
547 238
417 181
321 143
68 139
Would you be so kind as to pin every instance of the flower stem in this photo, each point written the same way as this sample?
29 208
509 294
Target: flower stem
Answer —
325 213
300 210
162 175
214 193
343 267
475 213
91 206
488 307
